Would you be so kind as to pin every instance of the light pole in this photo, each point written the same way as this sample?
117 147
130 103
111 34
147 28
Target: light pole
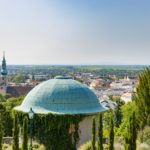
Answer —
31 116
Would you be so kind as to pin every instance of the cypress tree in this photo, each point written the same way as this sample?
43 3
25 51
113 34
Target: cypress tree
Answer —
15 133
100 132
134 131
128 138
118 113
75 135
93 134
142 98
25 134
111 133
1 135
131 136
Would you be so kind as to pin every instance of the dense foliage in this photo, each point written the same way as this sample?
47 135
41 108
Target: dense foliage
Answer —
19 78
126 111
6 111
56 132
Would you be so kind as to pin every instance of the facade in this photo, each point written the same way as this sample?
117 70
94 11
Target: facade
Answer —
63 95
126 97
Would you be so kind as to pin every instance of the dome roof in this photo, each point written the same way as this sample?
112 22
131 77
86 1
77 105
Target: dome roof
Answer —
61 95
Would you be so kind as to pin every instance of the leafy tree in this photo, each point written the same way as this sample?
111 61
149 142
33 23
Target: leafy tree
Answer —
2 98
19 78
142 98
15 132
111 134
12 102
100 132
126 111
25 134
7 118
93 134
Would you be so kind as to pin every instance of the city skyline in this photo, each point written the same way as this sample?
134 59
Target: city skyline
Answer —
67 32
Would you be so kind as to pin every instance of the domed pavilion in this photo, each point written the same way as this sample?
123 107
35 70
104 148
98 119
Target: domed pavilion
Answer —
64 96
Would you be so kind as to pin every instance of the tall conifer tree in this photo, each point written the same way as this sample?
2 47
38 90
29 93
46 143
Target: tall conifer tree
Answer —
142 98
111 133
25 134
1 134
93 134
15 132
131 135
100 132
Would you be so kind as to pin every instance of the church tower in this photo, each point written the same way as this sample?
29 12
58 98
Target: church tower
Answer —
4 68
3 78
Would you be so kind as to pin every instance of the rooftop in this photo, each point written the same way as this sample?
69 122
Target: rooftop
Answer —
61 95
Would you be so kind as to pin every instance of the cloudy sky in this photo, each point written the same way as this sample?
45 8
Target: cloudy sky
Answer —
75 31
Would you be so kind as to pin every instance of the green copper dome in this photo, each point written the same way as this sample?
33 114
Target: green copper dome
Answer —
61 95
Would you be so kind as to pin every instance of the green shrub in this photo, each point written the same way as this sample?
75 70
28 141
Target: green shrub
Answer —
42 147
5 146
36 146
86 146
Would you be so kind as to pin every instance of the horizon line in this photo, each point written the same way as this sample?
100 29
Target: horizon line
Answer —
78 64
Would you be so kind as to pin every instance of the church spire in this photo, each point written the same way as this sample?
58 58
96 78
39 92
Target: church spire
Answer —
4 68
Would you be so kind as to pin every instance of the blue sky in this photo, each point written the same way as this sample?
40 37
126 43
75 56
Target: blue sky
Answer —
75 31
